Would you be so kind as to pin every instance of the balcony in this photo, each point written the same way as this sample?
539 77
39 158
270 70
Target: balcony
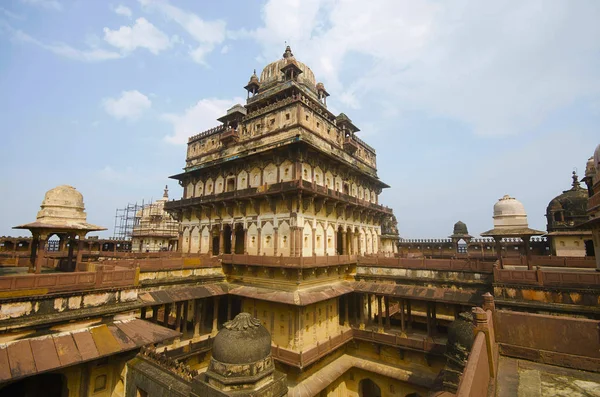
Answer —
594 203
229 136
350 145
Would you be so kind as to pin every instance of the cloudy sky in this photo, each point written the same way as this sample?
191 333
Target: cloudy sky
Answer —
464 101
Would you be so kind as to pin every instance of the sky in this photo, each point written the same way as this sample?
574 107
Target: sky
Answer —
464 101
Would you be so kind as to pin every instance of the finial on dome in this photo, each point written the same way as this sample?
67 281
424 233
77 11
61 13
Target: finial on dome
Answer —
166 192
254 73
241 322
575 183
288 52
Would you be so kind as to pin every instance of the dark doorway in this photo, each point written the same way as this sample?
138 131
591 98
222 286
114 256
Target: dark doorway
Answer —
50 385
368 388
227 239
340 241
239 239
215 241
589 248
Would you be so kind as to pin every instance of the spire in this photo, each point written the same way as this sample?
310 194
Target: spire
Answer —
166 193
575 183
288 52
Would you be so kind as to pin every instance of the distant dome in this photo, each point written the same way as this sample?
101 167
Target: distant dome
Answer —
509 213
271 74
63 203
569 208
243 340
460 228
597 159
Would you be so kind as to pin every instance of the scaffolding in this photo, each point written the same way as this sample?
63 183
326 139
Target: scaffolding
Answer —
125 220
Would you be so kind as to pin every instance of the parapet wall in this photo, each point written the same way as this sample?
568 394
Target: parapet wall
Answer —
556 340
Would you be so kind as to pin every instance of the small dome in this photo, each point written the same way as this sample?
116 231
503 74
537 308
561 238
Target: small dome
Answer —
62 203
460 228
569 208
597 159
460 334
271 73
243 340
509 213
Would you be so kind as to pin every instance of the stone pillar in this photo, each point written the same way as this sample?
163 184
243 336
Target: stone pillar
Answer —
402 319
314 239
275 236
293 241
178 306
41 252
222 240
362 311
344 243
488 302
409 314
527 252
387 311
356 308
380 314
186 314
433 319
233 239
143 313
429 333
79 252
258 240
166 314
481 323
197 317
369 311
245 242
351 245
215 324
155 314
33 253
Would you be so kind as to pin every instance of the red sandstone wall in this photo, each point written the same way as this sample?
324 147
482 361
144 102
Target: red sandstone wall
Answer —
564 341
476 376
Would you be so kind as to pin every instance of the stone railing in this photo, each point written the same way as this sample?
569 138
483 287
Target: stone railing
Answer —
39 284
309 356
156 264
582 279
288 261
212 131
423 344
427 264
552 261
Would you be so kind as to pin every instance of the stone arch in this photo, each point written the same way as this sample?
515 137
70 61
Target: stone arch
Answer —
329 180
209 187
307 234
215 240
284 239
219 185
285 171
186 240
195 240
252 239
270 174
240 243
199 189
368 388
361 193
354 190
267 235
255 177
320 243
242 180
340 240
318 173
205 235
189 191
306 172
330 240
367 195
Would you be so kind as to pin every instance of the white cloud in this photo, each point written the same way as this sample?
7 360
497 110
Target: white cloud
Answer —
122 10
197 118
501 68
49 4
65 50
142 34
130 105
11 14
207 34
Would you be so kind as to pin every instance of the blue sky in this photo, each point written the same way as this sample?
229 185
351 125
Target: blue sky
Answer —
464 101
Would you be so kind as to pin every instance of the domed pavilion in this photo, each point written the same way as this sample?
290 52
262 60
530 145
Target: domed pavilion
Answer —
241 363
63 214
565 213
510 221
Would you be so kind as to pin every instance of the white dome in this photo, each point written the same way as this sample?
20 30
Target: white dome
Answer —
509 213
64 204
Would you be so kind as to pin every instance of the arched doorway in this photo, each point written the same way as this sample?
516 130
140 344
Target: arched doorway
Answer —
50 385
368 388
340 241
239 239
227 239
589 248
